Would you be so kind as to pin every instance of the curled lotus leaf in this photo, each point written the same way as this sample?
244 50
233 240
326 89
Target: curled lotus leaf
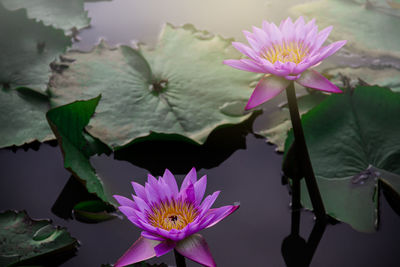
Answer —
388 77
68 123
179 88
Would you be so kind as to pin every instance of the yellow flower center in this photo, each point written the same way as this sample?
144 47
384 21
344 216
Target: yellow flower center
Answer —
172 215
286 52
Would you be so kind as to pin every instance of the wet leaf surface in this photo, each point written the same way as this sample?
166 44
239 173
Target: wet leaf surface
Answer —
64 15
25 241
353 144
180 88
367 29
27 49
23 117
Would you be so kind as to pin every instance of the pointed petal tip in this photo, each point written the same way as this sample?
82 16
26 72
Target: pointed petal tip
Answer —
166 173
250 105
196 249
142 249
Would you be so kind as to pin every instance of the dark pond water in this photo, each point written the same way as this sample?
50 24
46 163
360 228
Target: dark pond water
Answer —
243 167
253 236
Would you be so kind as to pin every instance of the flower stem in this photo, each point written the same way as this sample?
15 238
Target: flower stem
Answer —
179 259
302 155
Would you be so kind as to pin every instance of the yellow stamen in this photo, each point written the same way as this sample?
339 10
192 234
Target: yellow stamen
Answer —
172 215
286 52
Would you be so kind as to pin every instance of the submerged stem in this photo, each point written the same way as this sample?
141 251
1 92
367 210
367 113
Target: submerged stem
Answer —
302 155
179 259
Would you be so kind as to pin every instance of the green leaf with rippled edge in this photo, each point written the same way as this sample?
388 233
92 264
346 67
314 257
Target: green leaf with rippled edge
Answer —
180 88
354 145
23 117
26 241
27 49
278 123
367 30
68 123
65 15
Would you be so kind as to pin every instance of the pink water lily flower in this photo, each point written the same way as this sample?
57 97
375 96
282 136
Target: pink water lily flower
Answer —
285 53
170 218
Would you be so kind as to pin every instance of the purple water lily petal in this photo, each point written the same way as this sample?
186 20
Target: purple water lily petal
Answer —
195 248
139 190
314 80
142 205
123 201
221 213
190 178
322 36
329 50
127 211
286 51
164 247
141 250
152 236
151 194
188 194
208 201
168 216
244 49
170 180
267 88
244 65
200 189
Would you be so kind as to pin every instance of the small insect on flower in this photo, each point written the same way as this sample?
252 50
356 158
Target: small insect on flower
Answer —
285 53
170 218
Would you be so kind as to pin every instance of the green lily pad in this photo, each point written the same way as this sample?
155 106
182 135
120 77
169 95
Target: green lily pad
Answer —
93 211
68 123
181 87
27 49
65 15
354 145
389 77
23 117
367 29
24 240
279 123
